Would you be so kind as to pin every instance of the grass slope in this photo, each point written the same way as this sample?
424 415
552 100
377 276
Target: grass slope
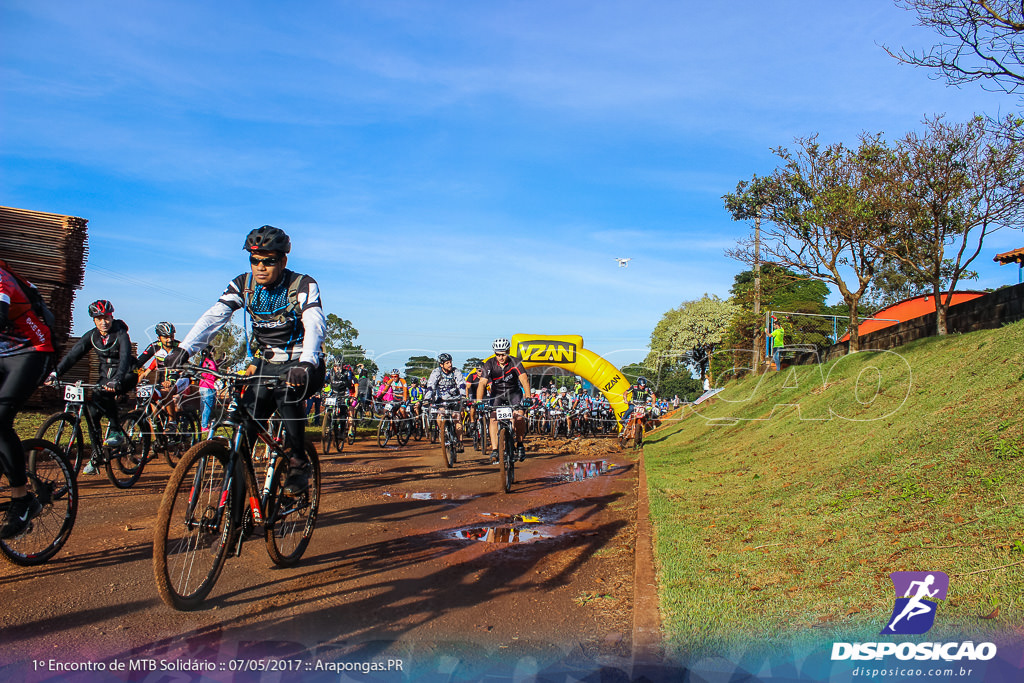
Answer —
781 509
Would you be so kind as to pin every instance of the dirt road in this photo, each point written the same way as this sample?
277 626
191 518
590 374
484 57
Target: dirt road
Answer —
412 564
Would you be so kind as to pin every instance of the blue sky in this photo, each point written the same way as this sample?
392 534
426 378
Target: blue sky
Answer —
448 171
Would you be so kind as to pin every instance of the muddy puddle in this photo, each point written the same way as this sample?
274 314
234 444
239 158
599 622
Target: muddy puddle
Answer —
505 534
578 471
428 496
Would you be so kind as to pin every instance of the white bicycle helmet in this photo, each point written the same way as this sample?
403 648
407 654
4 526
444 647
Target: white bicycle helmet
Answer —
501 344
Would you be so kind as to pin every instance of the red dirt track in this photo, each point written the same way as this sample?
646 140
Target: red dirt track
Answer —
410 561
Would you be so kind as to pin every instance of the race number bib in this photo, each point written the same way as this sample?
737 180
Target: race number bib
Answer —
73 394
144 390
331 401
503 413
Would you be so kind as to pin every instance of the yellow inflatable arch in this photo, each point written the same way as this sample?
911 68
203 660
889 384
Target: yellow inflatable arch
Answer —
566 351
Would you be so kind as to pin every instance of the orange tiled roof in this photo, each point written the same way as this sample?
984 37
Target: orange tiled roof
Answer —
1015 256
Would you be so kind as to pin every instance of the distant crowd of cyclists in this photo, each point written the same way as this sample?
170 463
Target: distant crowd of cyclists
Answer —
284 310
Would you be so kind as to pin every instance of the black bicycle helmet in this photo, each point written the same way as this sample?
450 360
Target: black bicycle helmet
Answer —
444 358
101 308
164 330
268 238
641 381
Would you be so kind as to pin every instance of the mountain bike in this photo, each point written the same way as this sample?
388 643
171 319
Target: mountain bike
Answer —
450 410
124 463
336 423
391 426
213 502
169 439
633 433
506 444
52 479
481 433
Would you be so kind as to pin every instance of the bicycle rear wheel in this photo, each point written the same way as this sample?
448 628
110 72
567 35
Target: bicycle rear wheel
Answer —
403 430
52 480
291 519
126 462
64 430
193 531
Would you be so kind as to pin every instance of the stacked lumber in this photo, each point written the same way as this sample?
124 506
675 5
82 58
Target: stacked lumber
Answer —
50 251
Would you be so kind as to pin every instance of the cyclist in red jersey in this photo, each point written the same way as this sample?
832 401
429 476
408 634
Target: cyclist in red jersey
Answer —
26 348
509 385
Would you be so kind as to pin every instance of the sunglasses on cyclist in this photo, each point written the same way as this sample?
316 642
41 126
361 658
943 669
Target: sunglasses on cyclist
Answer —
268 262
500 354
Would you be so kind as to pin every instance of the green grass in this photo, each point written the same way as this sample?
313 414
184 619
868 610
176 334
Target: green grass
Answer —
781 509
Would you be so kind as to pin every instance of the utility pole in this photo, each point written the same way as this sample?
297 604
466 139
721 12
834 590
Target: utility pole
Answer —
758 342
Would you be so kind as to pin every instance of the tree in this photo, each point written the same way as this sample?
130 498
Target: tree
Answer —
822 206
959 184
984 41
420 366
339 344
228 347
690 334
472 364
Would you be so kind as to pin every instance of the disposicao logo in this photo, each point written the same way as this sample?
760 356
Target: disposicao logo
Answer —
914 613
917 596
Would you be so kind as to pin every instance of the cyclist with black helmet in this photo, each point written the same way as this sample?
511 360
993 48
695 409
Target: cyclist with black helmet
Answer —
446 383
288 327
109 339
638 394
509 384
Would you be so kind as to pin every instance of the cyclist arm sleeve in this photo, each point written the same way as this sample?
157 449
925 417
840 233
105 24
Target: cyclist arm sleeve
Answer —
208 325
76 352
315 325
124 361
144 358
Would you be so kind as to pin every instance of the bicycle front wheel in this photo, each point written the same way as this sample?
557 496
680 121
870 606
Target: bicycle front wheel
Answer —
384 432
64 430
327 432
126 462
291 519
450 444
506 456
183 438
338 432
52 480
193 527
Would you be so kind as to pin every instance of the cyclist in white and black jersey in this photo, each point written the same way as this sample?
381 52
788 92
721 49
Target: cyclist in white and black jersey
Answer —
446 383
288 327
509 384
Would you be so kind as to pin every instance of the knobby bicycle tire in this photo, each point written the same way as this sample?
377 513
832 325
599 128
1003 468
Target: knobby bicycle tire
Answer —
65 431
450 444
384 432
52 480
291 519
338 432
506 457
190 541
403 430
327 433
183 438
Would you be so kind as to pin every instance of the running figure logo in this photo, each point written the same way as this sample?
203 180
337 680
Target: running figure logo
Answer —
913 613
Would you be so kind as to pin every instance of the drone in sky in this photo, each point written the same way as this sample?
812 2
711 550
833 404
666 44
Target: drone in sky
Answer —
623 262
